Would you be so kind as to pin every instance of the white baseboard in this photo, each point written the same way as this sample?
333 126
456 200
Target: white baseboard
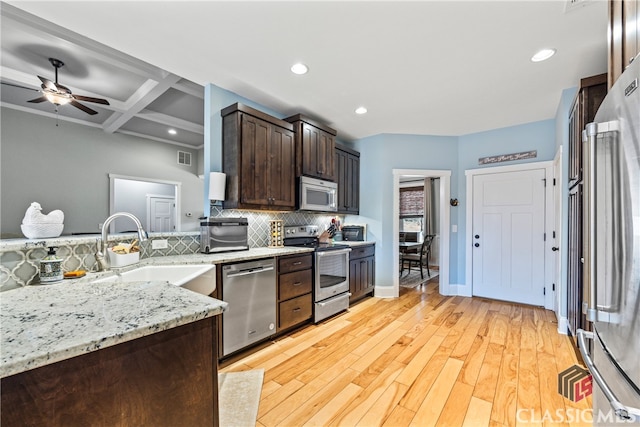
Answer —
563 325
385 292
460 290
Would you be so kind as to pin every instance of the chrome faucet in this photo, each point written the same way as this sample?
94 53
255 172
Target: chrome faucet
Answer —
102 243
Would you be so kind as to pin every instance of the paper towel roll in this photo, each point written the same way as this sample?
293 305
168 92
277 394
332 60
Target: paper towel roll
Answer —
217 185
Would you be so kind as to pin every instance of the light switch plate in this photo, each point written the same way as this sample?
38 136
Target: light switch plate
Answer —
454 228
159 244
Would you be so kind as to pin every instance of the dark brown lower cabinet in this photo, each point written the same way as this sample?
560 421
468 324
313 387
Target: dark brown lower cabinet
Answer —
362 270
295 286
575 290
169 378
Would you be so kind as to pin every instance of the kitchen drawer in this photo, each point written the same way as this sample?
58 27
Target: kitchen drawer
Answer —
295 284
294 263
294 311
362 252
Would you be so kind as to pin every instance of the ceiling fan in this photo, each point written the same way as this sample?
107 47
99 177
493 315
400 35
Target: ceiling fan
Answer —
58 94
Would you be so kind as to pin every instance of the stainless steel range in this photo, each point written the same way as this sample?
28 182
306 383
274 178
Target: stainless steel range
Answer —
331 280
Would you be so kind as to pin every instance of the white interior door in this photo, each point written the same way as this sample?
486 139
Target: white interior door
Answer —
161 214
508 236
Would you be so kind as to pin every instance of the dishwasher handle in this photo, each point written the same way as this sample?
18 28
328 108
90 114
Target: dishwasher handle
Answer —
248 271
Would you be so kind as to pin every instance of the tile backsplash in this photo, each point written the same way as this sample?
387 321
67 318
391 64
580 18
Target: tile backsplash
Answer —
20 258
258 233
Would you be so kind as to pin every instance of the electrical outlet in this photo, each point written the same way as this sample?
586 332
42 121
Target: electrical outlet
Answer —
99 226
159 244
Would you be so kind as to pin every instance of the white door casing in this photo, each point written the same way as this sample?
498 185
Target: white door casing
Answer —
508 210
444 194
556 238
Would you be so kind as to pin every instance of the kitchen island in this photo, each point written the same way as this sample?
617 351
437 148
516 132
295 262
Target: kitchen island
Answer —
82 353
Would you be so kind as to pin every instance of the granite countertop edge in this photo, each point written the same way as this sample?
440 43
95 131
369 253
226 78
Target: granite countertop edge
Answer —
43 324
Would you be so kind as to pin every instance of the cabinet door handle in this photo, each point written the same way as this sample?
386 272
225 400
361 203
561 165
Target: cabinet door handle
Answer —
297 284
297 263
297 309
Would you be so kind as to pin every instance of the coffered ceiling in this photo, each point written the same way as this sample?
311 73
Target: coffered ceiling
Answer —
144 100
420 67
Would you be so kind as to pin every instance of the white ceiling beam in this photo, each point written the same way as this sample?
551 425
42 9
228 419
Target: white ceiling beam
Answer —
171 121
145 95
155 138
190 88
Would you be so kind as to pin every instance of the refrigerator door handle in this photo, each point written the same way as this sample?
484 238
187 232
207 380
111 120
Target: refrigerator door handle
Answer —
622 411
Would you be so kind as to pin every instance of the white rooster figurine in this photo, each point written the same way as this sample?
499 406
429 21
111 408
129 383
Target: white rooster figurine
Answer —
34 215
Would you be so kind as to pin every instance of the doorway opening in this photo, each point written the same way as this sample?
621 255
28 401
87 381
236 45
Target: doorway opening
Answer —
443 194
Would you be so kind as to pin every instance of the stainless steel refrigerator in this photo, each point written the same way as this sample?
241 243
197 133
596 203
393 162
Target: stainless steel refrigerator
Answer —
612 252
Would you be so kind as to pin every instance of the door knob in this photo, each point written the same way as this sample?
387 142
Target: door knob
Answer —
555 248
477 245
477 236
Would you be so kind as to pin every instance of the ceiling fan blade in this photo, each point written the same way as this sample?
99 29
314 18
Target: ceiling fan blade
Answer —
90 99
83 107
48 84
21 87
36 100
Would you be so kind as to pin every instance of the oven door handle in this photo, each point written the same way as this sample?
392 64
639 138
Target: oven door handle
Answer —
333 252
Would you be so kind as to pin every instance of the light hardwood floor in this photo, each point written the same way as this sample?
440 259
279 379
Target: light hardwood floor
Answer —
419 360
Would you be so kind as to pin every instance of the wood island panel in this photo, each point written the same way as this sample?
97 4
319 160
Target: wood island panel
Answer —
165 379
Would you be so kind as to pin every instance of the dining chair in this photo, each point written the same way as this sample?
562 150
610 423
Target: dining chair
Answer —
421 259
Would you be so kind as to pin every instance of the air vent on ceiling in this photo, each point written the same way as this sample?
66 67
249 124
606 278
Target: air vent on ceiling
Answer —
184 158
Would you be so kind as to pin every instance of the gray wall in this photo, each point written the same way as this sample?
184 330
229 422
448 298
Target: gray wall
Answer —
67 167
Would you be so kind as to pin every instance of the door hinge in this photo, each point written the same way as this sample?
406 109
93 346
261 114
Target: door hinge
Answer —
544 180
544 291
544 237
553 287
554 182
554 234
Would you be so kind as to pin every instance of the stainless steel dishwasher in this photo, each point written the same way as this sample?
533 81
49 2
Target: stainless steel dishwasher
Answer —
250 290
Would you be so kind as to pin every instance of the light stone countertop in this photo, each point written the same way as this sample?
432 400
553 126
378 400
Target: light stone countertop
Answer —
45 324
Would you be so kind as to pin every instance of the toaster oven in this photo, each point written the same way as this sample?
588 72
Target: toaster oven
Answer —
223 235
354 233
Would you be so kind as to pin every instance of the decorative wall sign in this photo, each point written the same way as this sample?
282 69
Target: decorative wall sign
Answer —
508 157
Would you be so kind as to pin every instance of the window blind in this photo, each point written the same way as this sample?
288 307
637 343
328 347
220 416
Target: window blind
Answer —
412 201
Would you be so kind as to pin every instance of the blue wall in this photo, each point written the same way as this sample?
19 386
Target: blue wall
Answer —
380 154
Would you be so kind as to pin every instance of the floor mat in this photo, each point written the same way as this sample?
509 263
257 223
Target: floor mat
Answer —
239 397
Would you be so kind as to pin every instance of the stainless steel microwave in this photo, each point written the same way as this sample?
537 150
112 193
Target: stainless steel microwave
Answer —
317 195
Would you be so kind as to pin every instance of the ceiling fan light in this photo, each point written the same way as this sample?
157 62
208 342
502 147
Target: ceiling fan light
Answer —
57 99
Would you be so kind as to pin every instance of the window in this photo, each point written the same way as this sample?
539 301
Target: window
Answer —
411 208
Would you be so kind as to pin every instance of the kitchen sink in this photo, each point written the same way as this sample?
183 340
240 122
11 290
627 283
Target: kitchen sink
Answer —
200 278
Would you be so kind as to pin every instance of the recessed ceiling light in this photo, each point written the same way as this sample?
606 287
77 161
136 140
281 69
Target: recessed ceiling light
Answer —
299 68
361 110
543 54
172 131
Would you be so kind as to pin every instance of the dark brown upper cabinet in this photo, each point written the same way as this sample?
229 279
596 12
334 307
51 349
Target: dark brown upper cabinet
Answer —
624 36
347 167
258 156
315 145
591 93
